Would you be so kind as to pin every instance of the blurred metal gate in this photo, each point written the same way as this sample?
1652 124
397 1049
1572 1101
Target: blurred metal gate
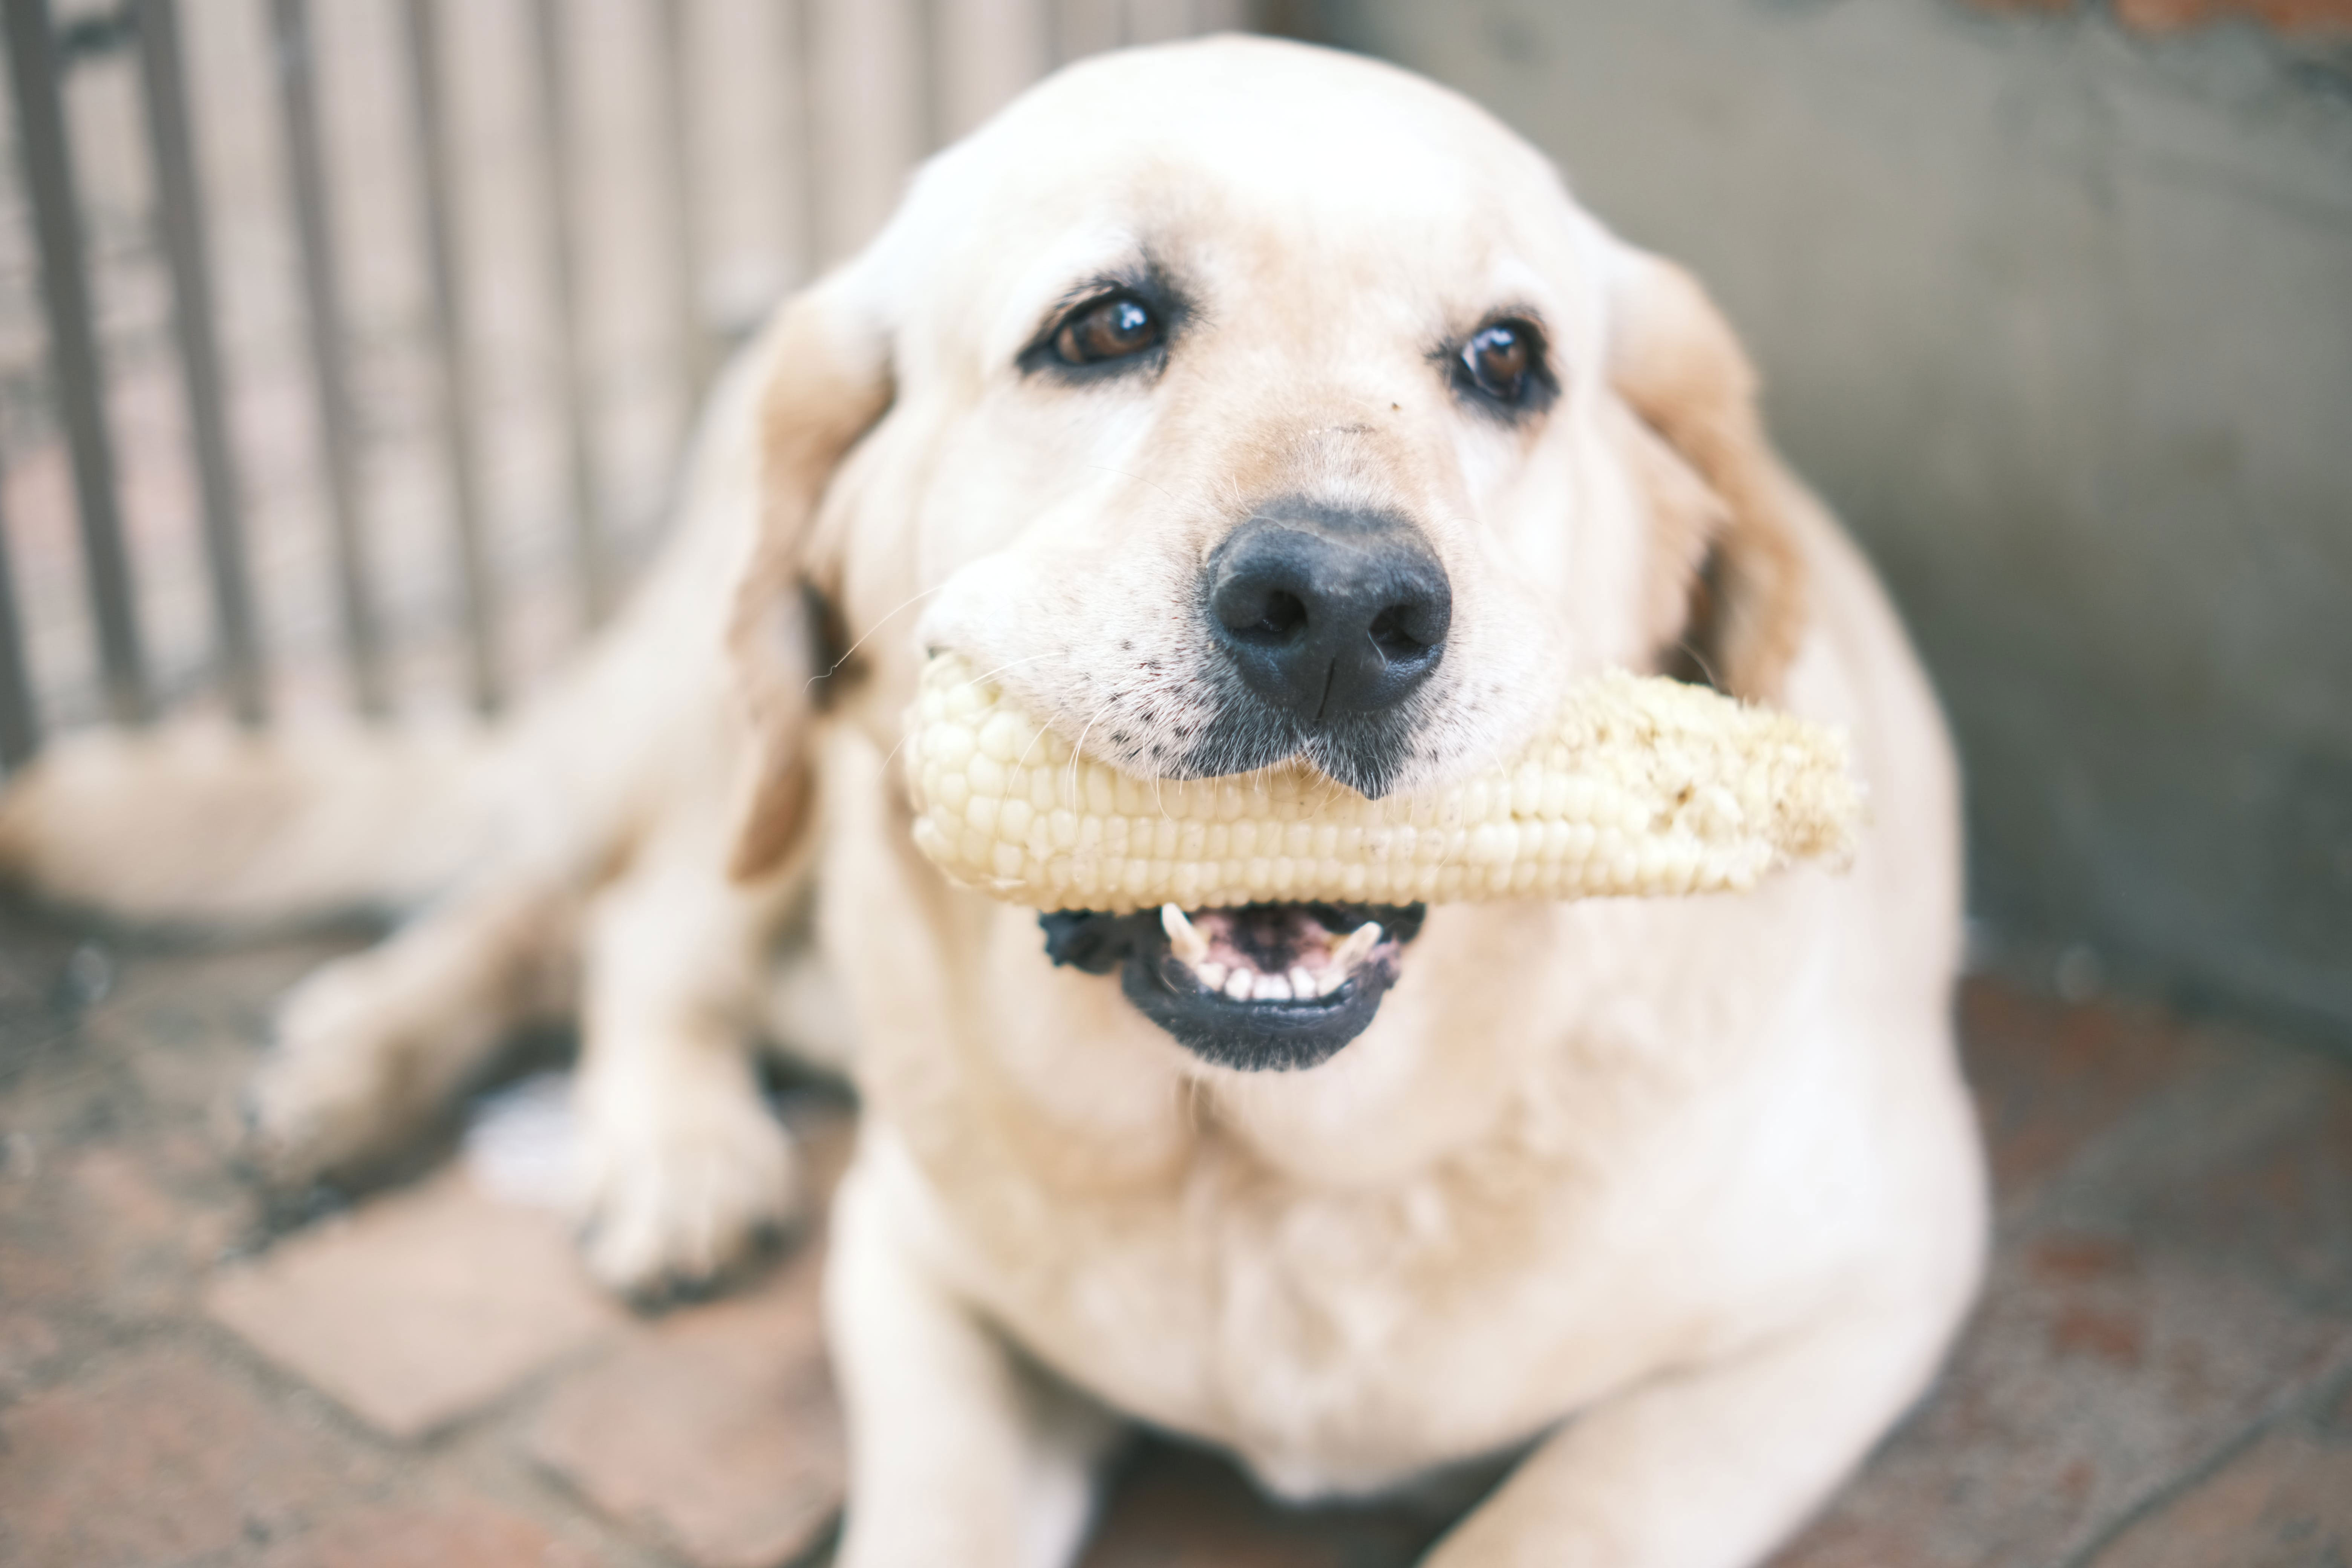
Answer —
346 349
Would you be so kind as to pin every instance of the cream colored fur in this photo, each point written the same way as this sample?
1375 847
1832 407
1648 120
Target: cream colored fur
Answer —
1671 1206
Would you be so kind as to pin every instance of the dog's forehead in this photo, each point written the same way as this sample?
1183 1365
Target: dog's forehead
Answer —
1264 93
1248 158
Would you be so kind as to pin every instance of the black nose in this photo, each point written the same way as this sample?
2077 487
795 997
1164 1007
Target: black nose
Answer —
1327 612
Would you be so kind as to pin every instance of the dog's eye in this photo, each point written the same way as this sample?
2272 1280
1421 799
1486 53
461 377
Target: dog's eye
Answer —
1106 330
1500 358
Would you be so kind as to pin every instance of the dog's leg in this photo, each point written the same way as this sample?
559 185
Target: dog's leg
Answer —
958 1453
683 1169
370 1047
1711 1468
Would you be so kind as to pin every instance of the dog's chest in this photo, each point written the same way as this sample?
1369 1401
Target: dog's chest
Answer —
1339 1342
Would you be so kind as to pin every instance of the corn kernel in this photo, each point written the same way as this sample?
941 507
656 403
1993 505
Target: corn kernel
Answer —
1642 785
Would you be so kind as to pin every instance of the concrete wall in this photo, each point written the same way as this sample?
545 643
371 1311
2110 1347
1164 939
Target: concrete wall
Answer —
2057 311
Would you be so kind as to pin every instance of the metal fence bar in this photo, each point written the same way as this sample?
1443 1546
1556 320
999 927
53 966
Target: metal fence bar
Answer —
697 355
802 23
591 558
73 351
43 51
460 406
330 369
171 145
20 725
931 75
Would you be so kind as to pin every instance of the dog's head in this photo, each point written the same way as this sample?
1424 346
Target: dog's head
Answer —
1237 402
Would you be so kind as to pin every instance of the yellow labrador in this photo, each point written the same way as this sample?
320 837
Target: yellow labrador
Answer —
1230 401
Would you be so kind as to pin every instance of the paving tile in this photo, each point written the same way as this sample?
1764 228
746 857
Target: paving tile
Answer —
2284 1502
94 1238
28 1343
2267 1194
2175 1258
2183 1267
115 1196
715 1431
464 1533
421 1306
1179 1508
159 1457
106 1221
2336 1409
2049 1078
143 1236
2062 1409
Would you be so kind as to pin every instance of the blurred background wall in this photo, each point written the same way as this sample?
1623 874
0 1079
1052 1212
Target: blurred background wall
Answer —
2054 302
2053 299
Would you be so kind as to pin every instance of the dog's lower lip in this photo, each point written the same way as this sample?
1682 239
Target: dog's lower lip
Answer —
1266 986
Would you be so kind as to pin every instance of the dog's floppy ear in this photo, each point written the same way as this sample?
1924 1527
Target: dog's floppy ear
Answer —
1731 570
825 379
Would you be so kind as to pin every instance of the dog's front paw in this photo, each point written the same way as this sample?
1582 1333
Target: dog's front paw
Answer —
344 1086
681 1184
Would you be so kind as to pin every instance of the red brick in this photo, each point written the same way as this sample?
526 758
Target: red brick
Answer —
27 1342
2072 1257
95 1239
2314 17
145 1241
2285 1502
160 1458
2276 1204
419 1308
2118 1337
2335 1415
106 1231
2051 1078
715 1431
2175 1259
464 1533
1842 1540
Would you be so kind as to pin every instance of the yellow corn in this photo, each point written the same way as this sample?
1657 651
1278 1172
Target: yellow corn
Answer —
1642 785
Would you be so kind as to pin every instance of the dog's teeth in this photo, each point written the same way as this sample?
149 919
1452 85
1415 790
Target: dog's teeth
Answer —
1211 974
1272 988
1182 935
1331 981
1238 987
1302 985
1357 948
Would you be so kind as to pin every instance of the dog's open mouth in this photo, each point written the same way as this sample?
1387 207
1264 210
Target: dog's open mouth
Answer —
1261 987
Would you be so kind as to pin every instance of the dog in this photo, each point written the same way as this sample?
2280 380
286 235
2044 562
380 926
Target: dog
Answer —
1667 1209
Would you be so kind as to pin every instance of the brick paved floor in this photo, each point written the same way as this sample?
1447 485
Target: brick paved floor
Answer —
2161 1375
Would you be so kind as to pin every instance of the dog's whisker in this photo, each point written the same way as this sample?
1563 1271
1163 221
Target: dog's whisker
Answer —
892 754
1698 656
1012 663
850 652
1138 479
1079 751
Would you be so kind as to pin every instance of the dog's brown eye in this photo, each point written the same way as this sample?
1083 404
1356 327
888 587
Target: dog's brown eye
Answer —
1105 330
1499 358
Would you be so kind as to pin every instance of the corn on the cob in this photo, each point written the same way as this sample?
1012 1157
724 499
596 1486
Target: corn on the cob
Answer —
1642 785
